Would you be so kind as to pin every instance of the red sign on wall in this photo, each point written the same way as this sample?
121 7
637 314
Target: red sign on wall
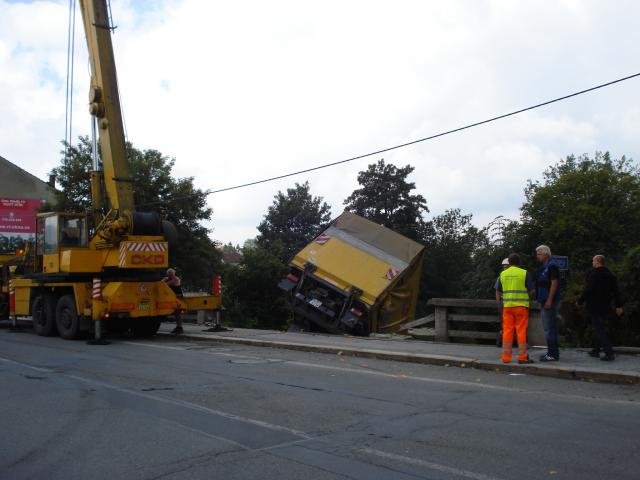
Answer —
17 222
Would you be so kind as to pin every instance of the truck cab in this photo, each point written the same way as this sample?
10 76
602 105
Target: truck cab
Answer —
56 232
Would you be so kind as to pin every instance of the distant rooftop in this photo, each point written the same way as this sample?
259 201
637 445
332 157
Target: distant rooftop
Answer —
15 182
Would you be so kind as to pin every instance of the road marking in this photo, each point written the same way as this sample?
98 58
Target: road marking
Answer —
38 369
303 436
430 465
207 434
397 376
195 407
333 368
272 448
170 401
283 445
165 347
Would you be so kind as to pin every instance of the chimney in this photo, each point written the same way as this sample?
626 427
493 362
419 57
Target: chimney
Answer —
52 181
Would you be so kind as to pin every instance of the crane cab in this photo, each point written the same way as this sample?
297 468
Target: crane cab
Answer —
56 233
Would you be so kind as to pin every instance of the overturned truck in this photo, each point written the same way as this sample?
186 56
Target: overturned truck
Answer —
356 277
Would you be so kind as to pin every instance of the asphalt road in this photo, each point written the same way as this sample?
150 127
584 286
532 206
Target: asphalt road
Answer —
172 409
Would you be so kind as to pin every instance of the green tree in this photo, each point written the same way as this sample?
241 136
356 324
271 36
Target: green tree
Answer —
584 206
385 198
73 177
627 331
292 221
485 266
195 255
452 243
251 294
230 248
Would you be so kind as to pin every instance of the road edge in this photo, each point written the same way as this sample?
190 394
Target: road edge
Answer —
559 371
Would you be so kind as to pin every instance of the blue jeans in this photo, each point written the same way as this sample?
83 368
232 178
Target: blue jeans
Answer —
550 327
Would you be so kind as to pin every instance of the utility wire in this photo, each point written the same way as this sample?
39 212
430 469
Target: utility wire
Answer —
431 137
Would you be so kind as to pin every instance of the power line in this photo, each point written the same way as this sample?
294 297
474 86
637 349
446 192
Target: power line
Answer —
431 137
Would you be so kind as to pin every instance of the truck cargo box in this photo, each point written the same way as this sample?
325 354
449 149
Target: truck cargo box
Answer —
356 277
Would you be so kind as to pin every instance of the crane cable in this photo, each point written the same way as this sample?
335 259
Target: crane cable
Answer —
71 37
68 111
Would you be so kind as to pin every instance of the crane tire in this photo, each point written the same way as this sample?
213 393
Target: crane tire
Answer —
67 319
43 315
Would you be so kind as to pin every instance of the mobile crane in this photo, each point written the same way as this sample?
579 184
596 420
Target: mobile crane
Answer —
77 280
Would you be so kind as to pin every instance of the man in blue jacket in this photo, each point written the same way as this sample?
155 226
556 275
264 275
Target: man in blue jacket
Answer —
599 293
548 295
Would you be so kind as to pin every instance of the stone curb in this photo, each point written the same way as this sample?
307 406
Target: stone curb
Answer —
440 360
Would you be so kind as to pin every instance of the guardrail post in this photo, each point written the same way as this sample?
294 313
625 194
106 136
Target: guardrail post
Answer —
442 329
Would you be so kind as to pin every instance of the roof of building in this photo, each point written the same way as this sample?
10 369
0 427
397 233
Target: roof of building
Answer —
232 258
15 182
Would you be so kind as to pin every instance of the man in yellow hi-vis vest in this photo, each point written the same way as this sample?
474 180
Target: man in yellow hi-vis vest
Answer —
515 288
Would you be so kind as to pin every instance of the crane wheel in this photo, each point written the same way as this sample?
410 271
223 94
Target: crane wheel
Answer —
43 315
67 319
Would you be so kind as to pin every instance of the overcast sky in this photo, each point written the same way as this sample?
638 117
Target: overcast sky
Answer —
239 91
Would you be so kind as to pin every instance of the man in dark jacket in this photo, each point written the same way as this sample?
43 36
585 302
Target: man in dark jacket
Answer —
599 293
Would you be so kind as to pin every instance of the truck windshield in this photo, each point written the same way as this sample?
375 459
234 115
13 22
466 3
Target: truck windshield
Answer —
73 232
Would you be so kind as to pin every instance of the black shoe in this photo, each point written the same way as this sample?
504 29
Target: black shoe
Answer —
608 358
525 362
548 358
177 330
594 353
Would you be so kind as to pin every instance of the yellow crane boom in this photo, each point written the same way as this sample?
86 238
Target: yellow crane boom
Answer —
77 282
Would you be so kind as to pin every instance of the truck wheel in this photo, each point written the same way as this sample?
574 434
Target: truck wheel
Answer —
43 315
298 324
67 319
362 328
145 327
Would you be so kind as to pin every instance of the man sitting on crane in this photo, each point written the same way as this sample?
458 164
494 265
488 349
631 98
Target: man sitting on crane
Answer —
174 283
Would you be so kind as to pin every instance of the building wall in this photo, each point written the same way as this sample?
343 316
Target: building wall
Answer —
21 197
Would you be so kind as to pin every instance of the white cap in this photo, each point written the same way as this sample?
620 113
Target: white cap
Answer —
505 261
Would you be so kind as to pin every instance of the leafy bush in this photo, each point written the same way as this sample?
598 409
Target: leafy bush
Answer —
251 295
